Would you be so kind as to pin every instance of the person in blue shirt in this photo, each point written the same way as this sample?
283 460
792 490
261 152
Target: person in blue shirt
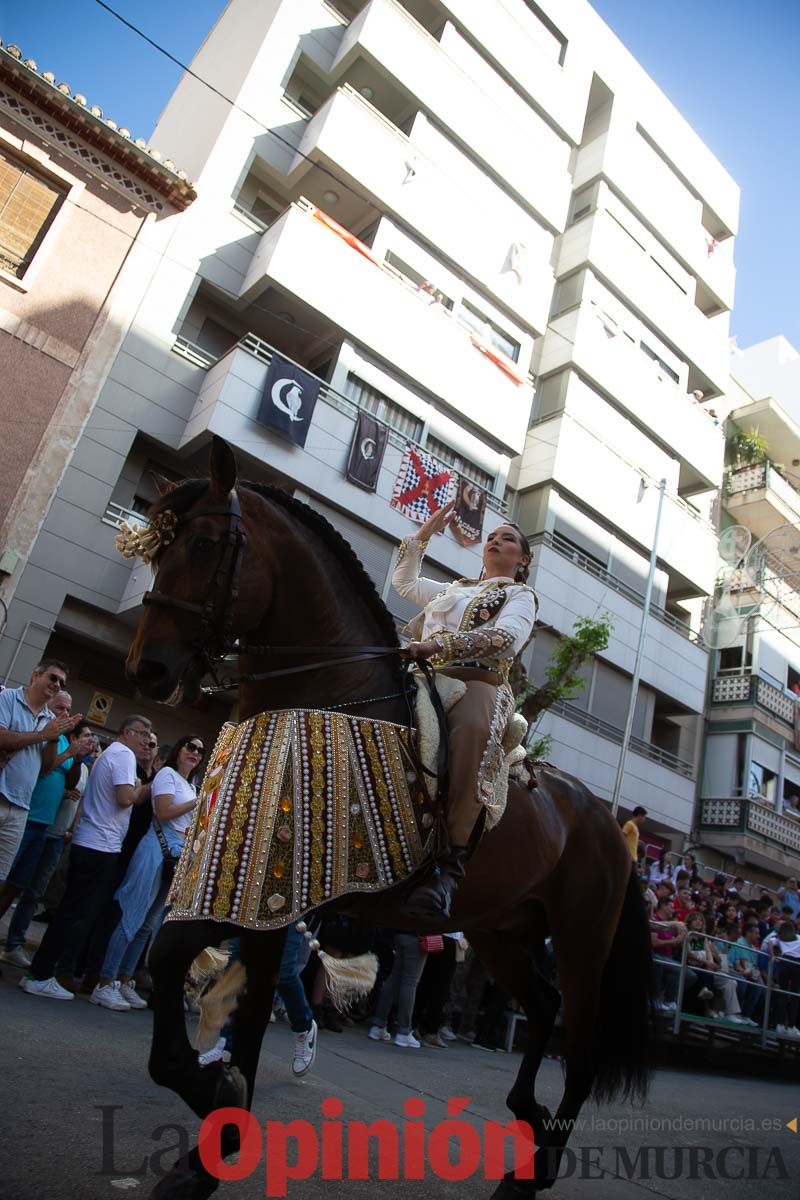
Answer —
44 804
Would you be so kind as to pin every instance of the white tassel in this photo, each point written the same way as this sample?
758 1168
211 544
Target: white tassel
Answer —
217 1005
349 979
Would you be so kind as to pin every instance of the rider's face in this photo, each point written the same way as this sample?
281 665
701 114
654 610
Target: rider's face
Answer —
503 553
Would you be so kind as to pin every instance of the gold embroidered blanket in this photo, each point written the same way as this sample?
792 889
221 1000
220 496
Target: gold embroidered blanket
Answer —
299 807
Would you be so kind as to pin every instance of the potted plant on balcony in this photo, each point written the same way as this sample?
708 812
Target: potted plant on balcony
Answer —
749 448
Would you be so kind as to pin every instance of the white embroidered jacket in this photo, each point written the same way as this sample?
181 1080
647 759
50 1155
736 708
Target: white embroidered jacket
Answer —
487 623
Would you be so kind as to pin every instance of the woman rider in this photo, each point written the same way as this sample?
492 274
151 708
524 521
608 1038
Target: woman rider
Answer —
472 630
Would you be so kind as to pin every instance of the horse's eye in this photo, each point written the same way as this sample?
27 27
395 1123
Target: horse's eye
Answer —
201 546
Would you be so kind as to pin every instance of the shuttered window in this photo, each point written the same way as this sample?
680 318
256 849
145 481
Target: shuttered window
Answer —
28 203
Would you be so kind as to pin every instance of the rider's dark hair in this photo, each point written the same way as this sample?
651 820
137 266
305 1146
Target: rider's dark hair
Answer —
523 570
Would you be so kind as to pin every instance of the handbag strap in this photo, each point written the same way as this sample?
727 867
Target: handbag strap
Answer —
165 850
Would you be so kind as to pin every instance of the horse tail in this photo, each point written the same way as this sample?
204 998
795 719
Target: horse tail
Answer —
623 1031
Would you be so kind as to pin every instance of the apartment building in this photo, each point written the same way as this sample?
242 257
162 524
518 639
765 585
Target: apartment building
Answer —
748 810
485 225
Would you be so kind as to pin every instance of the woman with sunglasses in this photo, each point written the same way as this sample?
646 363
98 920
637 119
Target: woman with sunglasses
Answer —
142 895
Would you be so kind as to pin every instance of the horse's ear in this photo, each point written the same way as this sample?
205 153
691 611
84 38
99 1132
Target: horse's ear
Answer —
162 485
222 466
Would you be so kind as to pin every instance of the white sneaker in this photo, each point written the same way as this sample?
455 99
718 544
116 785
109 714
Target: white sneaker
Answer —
782 1030
447 1033
735 1019
380 1035
793 1031
750 1021
705 994
128 992
669 1006
406 1039
17 957
45 987
107 995
305 1050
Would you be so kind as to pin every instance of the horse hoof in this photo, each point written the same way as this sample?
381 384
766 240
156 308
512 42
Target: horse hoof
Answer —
182 1183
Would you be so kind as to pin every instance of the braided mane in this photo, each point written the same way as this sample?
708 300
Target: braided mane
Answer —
186 494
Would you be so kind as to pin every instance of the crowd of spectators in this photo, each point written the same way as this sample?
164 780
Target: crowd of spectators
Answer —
94 833
728 940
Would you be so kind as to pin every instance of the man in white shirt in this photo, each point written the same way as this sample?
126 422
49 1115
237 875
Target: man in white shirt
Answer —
107 802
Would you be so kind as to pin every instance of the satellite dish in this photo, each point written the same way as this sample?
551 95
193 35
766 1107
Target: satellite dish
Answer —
772 567
723 622
734 544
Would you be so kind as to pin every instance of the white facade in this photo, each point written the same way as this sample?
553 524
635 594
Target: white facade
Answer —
749 801
516 158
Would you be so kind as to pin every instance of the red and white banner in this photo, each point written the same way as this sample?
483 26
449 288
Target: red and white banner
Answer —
423 485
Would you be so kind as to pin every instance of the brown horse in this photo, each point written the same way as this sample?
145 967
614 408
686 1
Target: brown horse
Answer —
555 864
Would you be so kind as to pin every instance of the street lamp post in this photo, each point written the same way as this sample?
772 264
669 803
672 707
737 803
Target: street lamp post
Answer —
637 666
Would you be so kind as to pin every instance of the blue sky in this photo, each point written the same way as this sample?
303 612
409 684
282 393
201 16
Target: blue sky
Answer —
729 66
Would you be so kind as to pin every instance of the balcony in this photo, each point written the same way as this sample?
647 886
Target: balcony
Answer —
302 256
735 688
444 203
588 748
622 252
568 451
561 91
652 190
512 140
611 361
759 497
749 829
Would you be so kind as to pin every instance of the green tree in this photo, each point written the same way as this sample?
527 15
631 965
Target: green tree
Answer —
561 679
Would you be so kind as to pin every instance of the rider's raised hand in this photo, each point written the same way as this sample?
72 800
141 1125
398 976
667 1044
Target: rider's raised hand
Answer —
436 522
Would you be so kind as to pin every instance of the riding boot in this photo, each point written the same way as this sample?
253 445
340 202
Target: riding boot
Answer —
432 898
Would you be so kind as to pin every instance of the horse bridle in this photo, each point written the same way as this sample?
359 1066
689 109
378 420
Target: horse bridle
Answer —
215 638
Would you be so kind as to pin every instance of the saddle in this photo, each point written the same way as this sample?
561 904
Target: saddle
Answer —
428 734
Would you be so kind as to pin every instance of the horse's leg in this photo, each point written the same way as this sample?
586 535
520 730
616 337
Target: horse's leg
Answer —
510 961
260 954
173 1060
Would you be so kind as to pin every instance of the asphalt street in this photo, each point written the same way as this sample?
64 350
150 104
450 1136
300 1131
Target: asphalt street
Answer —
83 1120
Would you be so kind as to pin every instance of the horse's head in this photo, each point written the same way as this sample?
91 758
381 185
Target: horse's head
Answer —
202 596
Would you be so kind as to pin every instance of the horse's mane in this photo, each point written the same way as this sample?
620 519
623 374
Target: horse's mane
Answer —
185 495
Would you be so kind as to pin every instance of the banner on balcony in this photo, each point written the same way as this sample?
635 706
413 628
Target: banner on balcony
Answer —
366 452
288 400
468 514
797 723
423 485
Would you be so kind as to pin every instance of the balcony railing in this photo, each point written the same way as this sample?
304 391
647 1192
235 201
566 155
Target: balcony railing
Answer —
759 476
264 351
614 734
745 815
735 687
566 550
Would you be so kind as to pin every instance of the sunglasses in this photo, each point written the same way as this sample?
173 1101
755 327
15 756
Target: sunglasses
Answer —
57 679
194 747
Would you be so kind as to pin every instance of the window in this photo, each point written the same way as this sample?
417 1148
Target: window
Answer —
663 367
383 408
762 783
464 466
29 202
474 319
437 296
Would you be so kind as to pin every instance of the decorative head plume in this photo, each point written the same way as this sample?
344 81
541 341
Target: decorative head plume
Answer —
145 541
